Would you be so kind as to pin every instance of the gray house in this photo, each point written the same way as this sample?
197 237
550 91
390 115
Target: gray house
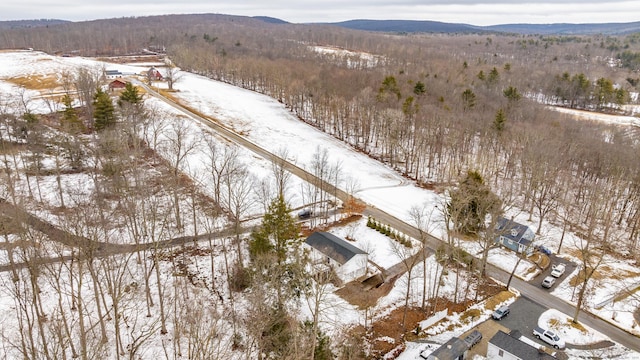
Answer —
509 347
514 236
454 349
348 261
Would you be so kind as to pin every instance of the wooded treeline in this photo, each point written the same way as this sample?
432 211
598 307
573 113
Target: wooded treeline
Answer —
133 260
430 105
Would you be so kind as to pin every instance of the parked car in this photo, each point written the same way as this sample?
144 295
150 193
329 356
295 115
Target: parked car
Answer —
549 337
305 214
548 282
500 312
557 270
544 250
426 352
473 338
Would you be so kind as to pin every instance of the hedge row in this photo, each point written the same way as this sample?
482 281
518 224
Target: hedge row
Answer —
386 230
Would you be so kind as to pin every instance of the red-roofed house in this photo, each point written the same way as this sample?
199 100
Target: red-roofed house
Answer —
154 74
117 84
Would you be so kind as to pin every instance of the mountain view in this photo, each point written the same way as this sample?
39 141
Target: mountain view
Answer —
211 186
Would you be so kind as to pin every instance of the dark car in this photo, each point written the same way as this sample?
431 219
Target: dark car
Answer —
500 312
305 214
473 338
544 250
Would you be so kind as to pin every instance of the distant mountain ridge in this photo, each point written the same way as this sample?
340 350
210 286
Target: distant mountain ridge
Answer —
415 26
409 26
21 24
569 29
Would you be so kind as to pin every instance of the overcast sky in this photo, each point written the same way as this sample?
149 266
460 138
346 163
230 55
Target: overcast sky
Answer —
485 12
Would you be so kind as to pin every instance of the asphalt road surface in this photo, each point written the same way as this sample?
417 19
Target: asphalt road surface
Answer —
541 295
531 291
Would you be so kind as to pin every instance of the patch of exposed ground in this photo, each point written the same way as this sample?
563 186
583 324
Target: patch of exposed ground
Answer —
36 82
362 294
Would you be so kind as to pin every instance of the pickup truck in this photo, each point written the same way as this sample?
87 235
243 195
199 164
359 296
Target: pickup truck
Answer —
549 337
557 270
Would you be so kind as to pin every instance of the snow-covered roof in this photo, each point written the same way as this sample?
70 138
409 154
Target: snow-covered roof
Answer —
332 246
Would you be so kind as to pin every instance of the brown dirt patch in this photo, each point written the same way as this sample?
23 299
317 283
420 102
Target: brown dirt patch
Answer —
391 327
541 260
498 298
362 295
36 82
604 272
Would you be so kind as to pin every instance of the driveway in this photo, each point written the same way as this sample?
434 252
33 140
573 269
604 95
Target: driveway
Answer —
570 267
523 317
487 329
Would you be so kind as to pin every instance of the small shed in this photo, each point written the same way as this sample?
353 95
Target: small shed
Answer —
454 349
514 236
510 347
154 74
348 261
117 84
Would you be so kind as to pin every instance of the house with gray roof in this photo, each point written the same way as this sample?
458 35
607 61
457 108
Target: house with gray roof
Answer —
510 347
514 236
348 261
454 349
112 74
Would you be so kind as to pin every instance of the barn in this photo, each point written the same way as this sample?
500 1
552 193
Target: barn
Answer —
348 261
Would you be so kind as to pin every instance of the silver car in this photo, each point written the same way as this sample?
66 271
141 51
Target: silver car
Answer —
500 312
548 282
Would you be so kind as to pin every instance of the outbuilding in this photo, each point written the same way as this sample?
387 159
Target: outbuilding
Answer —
154 74
117 84
347 260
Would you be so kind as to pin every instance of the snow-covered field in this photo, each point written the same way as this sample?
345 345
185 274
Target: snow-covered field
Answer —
268 124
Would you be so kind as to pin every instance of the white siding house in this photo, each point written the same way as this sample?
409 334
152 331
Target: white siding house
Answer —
348 261
509 347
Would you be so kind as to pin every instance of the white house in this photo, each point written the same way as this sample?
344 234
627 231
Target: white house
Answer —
509 347
348 261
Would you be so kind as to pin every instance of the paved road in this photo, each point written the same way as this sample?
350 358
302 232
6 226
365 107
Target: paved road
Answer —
543 298
524 317
90 248
541 295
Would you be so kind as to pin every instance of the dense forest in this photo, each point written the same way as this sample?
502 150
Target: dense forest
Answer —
438 108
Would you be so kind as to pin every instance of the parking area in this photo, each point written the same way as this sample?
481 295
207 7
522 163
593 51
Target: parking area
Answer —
570 267
488 329
523 316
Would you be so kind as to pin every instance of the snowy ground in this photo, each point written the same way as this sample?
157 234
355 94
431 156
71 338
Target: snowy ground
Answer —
267 123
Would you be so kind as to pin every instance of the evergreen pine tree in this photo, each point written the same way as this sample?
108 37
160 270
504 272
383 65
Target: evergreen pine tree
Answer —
470 203
130 95
500 121
278 233
70 120
104 113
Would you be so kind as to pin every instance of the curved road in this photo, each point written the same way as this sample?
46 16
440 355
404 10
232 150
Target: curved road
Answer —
531 291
